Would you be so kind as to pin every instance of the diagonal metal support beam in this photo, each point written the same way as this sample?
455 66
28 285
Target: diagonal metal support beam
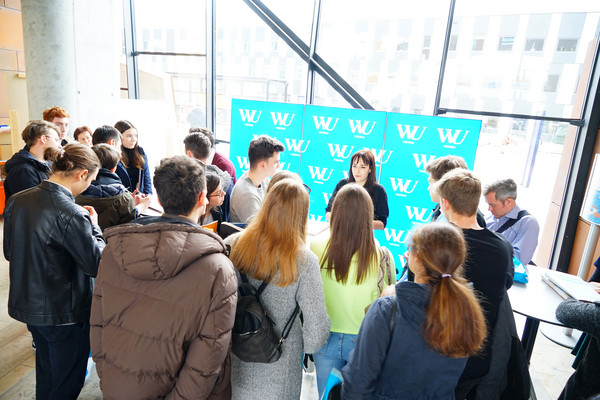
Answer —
302 49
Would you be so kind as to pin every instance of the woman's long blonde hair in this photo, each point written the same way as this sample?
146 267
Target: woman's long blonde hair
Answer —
351 233
268 248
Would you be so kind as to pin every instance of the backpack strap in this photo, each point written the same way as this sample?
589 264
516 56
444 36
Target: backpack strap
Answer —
392 321
260 289
288 325
512 221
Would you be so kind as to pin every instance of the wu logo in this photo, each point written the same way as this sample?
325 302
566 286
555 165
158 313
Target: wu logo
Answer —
315 218
380 155
410 132
403 186
283 120
295 146
338 151
418 213
250 115
284 166
326 196
324 123
320 174
360 127
447 135
421 160
391 235
243 162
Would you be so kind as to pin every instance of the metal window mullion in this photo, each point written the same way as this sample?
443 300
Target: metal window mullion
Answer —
438 93
211 74
576 122
133 82
298 46
314 37
581 162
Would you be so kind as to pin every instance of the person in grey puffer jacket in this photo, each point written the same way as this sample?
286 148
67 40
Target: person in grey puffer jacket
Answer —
586 317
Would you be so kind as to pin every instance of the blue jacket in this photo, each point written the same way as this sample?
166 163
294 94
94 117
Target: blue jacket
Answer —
124 174
409 369
24 171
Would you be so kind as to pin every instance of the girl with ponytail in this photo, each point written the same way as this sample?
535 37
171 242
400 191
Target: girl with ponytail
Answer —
418 347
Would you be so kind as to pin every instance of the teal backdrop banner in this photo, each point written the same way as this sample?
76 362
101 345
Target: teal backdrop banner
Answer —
319 142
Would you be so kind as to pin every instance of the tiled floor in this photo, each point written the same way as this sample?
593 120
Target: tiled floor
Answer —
550 363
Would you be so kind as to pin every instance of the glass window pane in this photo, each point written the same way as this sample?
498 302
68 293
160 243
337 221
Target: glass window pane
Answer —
387 50
178 79
519 60
252 63
528 151
178 28
297 15
325 95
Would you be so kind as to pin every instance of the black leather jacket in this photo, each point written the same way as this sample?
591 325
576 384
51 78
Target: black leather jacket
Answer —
53 249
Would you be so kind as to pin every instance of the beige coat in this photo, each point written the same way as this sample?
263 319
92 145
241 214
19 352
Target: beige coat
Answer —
162 313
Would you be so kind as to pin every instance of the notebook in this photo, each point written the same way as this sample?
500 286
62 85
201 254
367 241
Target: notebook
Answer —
573 285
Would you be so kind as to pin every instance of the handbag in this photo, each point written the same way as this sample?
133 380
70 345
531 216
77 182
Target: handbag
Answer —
385 269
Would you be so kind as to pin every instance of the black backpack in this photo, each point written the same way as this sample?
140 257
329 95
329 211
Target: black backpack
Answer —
253 336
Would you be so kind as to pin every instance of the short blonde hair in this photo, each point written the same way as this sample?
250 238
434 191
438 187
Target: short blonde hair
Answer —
462 189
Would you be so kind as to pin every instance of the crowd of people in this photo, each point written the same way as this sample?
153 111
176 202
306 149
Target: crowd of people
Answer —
158 317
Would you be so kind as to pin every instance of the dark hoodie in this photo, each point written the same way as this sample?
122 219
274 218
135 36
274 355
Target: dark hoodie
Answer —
23 172
109 198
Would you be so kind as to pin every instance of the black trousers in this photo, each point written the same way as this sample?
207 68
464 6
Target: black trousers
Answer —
60 360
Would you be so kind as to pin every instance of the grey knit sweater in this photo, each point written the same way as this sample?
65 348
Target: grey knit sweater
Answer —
283 379
586 317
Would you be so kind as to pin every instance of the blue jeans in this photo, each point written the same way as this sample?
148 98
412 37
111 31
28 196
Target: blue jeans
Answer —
334 354
60 360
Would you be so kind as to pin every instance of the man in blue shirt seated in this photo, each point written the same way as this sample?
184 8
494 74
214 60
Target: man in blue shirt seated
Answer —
518 226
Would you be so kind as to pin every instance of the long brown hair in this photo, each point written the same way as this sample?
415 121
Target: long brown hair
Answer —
268 248
368 158
137 159
455 325
351 225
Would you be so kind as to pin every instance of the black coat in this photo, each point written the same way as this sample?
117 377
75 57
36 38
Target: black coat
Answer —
23 172
53 249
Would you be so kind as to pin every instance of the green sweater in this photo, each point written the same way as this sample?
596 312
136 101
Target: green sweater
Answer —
346 303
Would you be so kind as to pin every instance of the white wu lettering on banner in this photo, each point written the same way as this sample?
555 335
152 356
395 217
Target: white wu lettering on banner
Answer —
418 214
282 120
421 160
320 175
249 116
402 187
409 133
326 196
380 155
323 124
284 166
450 137
359 128
316 218
295 145
243 162
340 152
396 237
